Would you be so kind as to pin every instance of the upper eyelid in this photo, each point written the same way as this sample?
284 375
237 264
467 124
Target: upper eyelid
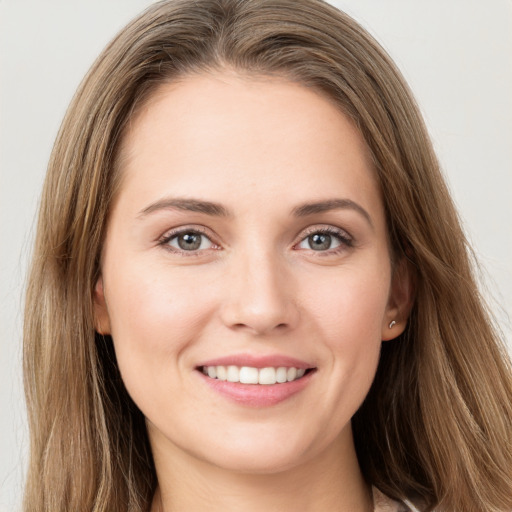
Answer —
171 233
324 228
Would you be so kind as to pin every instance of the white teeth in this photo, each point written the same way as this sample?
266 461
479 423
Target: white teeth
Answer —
291 374
233 374
250 375
281 374
267 376
222 374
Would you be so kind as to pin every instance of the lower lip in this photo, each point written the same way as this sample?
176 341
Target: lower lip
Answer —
257 395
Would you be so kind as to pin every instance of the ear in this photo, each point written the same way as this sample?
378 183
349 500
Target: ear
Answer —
101 318
400 302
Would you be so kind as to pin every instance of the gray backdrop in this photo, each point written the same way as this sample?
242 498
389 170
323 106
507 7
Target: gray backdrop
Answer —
456 55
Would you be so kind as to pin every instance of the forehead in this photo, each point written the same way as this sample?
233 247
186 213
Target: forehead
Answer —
223 133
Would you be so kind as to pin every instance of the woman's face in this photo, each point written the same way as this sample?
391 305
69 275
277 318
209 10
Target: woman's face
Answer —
248 241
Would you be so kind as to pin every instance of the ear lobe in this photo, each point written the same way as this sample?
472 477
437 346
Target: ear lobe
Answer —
101 318
400 302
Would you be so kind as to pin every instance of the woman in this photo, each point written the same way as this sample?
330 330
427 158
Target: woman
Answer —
250 287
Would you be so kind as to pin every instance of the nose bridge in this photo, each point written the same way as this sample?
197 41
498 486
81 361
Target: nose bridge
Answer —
259 293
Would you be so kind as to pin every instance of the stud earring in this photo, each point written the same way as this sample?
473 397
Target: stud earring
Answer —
392 323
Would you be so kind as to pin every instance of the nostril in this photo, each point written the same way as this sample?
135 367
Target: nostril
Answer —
260 327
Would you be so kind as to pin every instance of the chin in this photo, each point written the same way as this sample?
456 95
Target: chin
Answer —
258 463
261 454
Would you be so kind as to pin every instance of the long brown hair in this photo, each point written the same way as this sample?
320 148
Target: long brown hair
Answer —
437 422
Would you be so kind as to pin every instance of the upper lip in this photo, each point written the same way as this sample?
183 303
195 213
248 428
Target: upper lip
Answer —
255 361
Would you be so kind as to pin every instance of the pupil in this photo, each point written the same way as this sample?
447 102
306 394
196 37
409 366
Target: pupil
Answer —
319 242
189 241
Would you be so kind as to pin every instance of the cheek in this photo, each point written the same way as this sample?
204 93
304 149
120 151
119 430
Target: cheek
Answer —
350 305
153 318
347 313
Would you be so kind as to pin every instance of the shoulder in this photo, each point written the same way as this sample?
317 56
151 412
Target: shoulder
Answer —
384 504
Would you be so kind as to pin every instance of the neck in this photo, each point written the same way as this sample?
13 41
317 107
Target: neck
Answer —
330 481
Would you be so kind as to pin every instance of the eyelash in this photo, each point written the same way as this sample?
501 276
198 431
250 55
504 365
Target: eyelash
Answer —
346 241
196 230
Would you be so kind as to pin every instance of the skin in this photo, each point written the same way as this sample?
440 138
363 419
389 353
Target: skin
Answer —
260 148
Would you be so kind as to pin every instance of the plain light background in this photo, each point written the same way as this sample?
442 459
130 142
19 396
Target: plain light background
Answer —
455 54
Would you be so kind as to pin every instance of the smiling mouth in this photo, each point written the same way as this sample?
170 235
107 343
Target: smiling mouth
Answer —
251 375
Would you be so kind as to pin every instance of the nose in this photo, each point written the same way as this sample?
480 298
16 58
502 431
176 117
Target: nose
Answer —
259 296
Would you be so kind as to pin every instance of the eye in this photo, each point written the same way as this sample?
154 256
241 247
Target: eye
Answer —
319 242
324 240
188 241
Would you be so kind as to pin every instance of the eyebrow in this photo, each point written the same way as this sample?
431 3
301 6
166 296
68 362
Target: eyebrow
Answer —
331 204
218 210
190 205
